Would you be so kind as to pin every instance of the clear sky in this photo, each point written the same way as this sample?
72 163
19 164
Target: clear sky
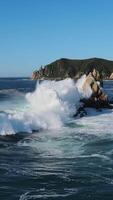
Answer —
37 32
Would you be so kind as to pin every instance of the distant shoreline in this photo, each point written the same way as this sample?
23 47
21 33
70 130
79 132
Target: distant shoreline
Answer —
74 68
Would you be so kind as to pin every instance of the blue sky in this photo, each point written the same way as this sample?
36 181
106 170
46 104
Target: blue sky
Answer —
37 32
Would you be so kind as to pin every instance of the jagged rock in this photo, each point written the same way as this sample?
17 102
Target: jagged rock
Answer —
111 76
98 99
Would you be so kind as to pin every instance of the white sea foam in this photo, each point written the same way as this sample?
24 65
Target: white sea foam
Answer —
86 91
5 125
50 106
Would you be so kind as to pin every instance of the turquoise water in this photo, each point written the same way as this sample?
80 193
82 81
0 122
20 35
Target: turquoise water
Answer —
72 162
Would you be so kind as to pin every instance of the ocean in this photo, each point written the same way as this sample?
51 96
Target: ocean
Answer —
45 153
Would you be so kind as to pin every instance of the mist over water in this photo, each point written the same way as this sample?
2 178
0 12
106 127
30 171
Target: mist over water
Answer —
65 158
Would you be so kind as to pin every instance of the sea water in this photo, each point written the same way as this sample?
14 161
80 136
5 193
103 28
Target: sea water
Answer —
45 153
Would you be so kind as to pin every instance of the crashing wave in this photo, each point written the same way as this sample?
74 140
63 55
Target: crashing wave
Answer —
50 106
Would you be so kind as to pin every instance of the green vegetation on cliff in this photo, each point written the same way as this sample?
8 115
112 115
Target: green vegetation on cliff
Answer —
64 68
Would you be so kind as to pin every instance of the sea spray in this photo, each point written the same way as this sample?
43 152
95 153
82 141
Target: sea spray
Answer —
50 106
5 125
54 102
84 92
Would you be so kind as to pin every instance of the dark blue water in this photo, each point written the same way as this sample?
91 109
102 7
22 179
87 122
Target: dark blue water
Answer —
21 84
73 163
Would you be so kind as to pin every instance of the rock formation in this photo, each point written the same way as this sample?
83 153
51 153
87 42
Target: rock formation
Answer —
98 99
111 76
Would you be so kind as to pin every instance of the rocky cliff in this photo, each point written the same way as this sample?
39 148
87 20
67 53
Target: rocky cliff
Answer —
64 68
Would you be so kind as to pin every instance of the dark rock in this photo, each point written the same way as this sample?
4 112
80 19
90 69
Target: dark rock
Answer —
92 103
81 112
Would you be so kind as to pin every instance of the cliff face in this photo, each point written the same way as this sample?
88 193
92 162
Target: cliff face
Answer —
64 68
